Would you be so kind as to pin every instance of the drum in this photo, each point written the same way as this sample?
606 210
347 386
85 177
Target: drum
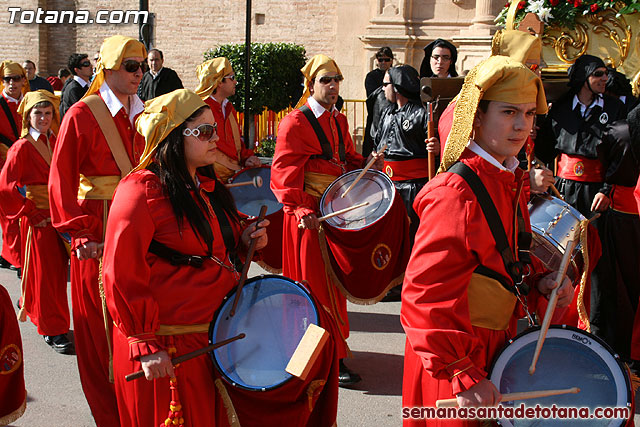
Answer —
274 313
249 199
570 357
368 247
374 187
553 221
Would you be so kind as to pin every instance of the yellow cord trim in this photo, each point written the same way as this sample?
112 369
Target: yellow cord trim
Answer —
22 314
582 311
311 391
459 372
10 418
232 416
453 363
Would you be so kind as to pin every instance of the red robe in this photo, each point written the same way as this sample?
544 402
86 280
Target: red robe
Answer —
46 288
635 339
226 143
444 353
10 228
82 149
12 390
301 256
163 294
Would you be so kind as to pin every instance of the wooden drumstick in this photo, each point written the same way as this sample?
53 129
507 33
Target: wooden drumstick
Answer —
366 168
340 212
256 182
245 268
553 300
555 191
453 403
189 356
431 132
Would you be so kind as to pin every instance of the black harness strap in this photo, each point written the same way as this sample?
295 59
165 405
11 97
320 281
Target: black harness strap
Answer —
514 268
327 152
7 111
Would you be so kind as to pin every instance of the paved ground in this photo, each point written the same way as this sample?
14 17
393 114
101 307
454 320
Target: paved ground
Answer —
377 342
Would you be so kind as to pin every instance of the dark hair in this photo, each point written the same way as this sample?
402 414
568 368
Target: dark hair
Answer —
384 51
483 105
170 166
74 61
43 104
425 67
156 50
28 61
63 72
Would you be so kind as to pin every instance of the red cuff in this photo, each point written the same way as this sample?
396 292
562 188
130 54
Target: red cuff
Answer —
301 211
82 237
466 379
143 345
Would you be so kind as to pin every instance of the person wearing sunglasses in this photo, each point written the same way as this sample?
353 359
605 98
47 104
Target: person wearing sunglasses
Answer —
75 88
571 136
384 61
13 86
216 83
313 148
171 200
96 146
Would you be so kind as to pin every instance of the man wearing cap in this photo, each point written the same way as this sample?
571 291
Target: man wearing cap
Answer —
14 85
217 82
44 287
459 304
572 133
95 149
403 128
314 147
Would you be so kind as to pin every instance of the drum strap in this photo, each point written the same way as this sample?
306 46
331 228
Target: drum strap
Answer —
327 152
12 122
514 268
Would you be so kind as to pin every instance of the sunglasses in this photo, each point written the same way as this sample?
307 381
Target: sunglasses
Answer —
325 80
132 66
441 57
231 77
204 132
85 64
7 79
600 73
385 84
384 59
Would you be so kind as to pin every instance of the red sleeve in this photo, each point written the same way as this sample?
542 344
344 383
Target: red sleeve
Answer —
353 158
130 229
636 193
444 124
288 167
14 204
73 144
435 307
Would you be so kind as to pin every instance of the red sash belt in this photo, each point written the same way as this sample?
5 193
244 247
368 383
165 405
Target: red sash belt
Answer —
622 200
406 169
578 168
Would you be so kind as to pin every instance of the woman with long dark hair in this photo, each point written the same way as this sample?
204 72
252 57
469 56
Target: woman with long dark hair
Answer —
167 216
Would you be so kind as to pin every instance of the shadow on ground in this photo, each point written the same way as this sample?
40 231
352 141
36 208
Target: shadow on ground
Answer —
381 373
375 322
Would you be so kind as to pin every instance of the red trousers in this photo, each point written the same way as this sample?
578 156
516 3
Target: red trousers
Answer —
46 274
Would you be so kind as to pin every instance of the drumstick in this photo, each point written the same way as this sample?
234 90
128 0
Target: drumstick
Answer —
524 395
188 356
245 269
555 191
340 212
553 300
366 168
256 182
431 158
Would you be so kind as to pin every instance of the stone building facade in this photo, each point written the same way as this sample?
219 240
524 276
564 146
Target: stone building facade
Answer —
348 30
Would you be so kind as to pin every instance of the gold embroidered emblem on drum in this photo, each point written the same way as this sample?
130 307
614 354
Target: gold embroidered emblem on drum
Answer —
381 256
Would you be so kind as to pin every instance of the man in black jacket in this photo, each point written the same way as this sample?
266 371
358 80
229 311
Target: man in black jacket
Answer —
158 80
75 88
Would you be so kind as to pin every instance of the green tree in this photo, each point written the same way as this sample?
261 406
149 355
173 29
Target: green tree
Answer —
276 80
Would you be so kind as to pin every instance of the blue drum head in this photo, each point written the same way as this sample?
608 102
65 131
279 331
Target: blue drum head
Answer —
274 312
248 198
569 358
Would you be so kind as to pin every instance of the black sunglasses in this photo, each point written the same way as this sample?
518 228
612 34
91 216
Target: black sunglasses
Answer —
325 80
386 83
85 64
8 79
384 59
600 73
132 66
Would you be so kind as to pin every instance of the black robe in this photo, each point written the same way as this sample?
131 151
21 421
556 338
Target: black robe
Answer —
167 81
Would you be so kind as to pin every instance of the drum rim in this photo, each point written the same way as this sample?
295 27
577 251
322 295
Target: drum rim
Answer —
567 328
231 293
241 171
559 201
355 172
